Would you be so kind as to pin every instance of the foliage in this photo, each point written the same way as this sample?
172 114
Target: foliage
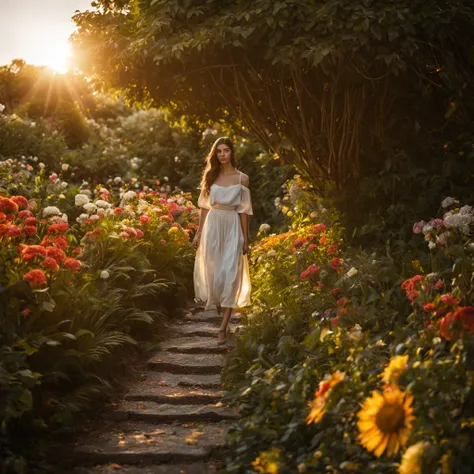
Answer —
337 370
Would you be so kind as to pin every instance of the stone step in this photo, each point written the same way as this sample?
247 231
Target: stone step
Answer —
210 316
150 391
137 443
187 363
166 379
151 412
192 329
194 468
195 345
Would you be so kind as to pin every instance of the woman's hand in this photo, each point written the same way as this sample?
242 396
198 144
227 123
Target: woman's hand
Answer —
245 248
197 240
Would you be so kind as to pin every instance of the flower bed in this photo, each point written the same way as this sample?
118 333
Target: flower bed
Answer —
356 362
83 274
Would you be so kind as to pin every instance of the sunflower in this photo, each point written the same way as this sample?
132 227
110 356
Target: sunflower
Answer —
395 369
412 459
318 405
385 421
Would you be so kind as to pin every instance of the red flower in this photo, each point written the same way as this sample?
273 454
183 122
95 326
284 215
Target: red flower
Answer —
50 264
163 242
118 210
429 307
323 240
56 253
58 228
25 213
310 271
21 201
30 220
72 264
144 218
140 233
336 263
35 278
319 228
77 250
10 217
26 312
312 247
12 231
411 286
7 205
29 230
31 251
3 217
335 291
342 301
335 321
449 299
332 249
60 241
343 311
3 229
438 284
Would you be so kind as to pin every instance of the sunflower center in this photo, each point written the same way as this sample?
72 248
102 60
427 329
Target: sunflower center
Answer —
390 418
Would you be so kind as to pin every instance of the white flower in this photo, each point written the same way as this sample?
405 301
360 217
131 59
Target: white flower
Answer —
90 207
64 185
51 211
65 218
271 253
94 217
264 228
181 201
104 274
449 201
459 221
352 272
109 212
65 166
102 204
2 107
431 245
128 196
82 218
41 165
166 178
81 199
465 210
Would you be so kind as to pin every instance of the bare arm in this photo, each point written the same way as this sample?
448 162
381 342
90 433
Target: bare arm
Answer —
244 220
202 220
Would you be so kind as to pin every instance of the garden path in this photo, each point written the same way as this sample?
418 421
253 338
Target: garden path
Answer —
174 420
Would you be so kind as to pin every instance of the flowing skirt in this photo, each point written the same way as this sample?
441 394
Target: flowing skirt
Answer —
221 271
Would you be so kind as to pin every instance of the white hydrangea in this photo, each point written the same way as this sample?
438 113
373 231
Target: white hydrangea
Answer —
449 201
181 201
94 217
102 204
458 221
109 212
65 218
51 211
264 228
129 195
64 185
90 207
104 274
82 218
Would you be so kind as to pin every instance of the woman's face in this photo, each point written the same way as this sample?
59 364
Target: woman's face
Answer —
224 154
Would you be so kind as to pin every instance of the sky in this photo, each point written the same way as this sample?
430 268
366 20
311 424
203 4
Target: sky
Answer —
37 30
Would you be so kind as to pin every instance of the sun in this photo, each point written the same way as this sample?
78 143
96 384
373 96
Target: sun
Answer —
58 57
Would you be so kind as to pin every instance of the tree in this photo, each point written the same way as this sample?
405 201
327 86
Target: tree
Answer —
329 84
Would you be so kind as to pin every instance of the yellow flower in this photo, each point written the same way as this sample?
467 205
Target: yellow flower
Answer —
385 421
318 405
412 459
172 230
395 369
268 462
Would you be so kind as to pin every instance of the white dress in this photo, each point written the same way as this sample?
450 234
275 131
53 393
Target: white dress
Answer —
221 271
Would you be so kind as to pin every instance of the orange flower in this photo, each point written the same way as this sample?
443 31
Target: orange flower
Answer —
35 278
318 405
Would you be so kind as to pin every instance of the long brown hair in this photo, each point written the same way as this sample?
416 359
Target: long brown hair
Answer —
213 166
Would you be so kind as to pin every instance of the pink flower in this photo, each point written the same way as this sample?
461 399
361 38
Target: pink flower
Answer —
144 218
438 284
449 299
418 227
163 242
53 177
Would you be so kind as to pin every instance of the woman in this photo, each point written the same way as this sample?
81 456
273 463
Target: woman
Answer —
221 272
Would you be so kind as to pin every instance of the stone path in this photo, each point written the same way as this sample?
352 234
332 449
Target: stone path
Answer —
173 421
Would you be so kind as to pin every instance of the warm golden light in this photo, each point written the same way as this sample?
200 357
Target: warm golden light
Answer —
58 57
